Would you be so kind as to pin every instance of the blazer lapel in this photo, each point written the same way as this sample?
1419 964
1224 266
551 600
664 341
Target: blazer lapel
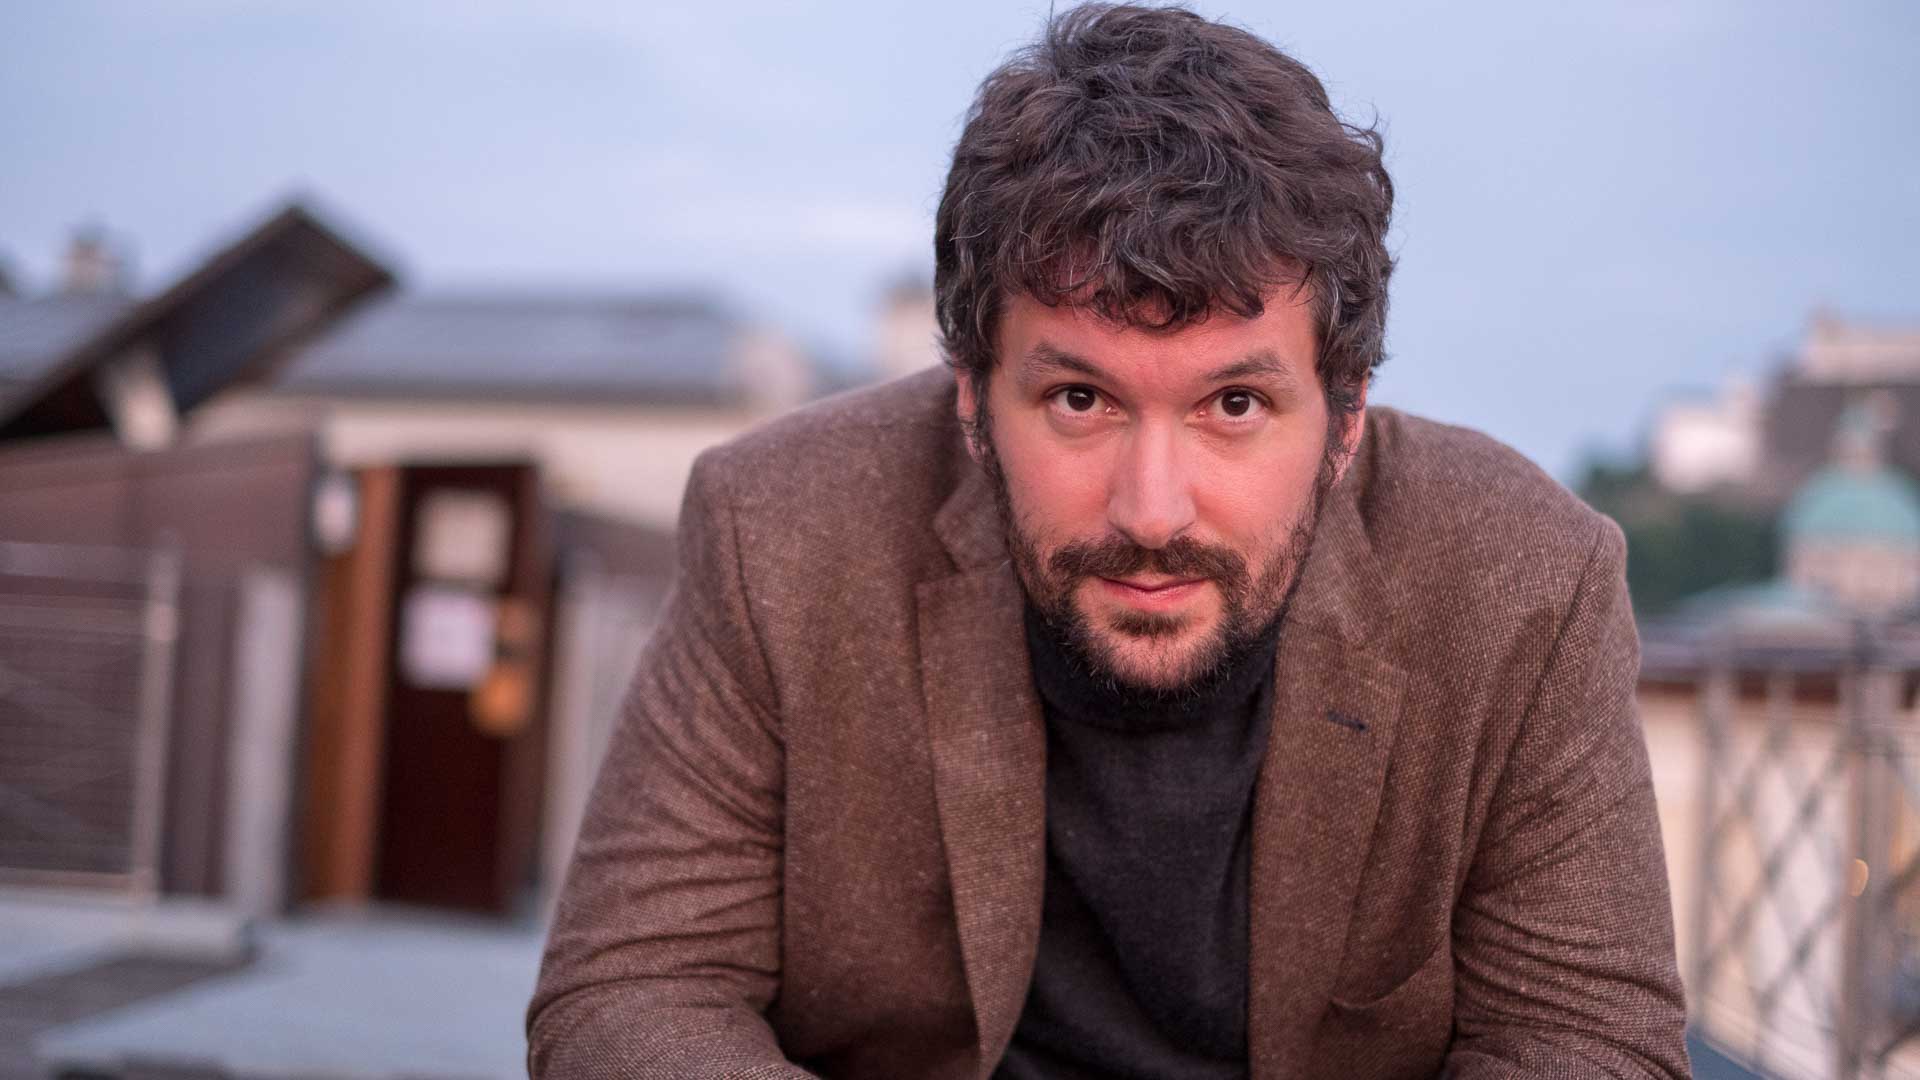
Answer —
1335 713
988 742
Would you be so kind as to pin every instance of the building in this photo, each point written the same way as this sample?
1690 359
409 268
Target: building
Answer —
1704 443
1852 531
1767 443
907 333
375 566
612 395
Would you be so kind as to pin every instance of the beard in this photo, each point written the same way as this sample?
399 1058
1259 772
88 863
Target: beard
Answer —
1253 605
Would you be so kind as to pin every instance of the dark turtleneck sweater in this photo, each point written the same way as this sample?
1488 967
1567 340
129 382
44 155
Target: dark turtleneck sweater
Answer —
1142 964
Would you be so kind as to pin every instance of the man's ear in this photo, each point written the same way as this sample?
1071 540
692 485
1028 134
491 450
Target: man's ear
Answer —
967 405
1352 426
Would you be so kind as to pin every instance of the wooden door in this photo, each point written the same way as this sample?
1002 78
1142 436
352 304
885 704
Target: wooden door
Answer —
460 794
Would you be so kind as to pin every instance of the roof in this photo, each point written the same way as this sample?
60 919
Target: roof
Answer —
227 322
34 333
668 348
1855 504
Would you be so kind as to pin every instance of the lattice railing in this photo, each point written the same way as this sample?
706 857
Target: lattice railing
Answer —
1807 902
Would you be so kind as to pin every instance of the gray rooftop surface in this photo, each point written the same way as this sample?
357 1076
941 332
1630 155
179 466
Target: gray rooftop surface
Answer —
38 331
668 348
671 347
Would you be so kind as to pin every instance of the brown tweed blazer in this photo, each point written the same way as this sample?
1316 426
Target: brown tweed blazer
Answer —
817 837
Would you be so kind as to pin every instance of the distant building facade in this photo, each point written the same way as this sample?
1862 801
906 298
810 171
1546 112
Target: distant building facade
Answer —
1702 444
906 335
1852 531
613 396
1769 442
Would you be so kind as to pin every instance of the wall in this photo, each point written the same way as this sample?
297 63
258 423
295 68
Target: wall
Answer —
227 508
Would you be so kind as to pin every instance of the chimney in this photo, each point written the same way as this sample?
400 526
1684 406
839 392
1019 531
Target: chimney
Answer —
93 264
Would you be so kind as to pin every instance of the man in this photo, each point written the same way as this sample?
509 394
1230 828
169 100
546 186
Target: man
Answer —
1133 701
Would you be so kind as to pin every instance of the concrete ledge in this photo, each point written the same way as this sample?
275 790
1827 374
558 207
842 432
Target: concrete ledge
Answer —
45 928
382 996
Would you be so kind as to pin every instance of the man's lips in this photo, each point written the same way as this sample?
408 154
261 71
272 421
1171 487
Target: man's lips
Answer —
1151 592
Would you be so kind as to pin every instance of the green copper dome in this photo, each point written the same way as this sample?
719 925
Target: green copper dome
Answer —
1842 503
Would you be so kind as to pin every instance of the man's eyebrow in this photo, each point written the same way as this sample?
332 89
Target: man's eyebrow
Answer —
1263 364
1044 357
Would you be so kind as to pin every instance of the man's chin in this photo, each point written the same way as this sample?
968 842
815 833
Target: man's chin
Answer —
1162 659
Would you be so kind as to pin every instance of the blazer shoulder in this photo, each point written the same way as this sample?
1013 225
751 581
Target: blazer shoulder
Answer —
1453 485
1470 528
853 479
887 432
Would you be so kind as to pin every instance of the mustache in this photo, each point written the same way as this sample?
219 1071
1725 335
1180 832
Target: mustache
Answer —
1182 557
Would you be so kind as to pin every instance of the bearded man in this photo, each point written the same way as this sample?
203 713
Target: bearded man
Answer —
1131 700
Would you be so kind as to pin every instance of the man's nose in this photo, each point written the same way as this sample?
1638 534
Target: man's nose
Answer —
1151 499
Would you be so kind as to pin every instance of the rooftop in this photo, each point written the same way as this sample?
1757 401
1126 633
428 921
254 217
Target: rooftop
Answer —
679 348
656 347
35 332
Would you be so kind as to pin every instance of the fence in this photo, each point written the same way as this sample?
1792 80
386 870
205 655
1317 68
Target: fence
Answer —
1806 903
87 644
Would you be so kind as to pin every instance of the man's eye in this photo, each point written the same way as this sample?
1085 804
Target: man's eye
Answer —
1078 399
1238 404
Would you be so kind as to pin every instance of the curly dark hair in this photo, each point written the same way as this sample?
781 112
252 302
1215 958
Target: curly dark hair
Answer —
1156 167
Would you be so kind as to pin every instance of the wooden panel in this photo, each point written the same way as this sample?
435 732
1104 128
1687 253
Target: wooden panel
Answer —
224 506
347 701
524 802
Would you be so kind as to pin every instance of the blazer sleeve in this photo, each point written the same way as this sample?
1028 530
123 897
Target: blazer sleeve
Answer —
665 947
1563 935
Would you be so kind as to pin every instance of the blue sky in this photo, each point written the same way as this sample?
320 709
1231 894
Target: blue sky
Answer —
1600 204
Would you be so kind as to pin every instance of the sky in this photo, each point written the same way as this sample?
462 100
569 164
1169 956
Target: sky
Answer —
1600 206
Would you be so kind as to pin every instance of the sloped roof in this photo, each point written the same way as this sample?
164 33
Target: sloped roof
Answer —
667 348
227 322
34 333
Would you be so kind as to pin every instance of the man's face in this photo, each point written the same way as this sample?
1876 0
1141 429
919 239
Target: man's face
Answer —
1162 487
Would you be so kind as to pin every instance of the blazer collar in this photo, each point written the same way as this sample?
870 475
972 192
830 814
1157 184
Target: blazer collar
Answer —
1335 713
968 523
989 747
1337 705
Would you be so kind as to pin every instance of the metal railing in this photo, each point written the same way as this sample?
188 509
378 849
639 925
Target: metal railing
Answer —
1806 910
87 650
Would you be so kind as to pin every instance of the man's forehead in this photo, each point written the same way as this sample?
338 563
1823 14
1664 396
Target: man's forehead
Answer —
1279 347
